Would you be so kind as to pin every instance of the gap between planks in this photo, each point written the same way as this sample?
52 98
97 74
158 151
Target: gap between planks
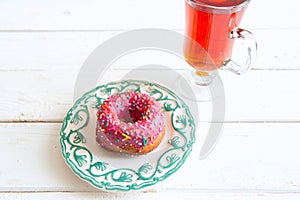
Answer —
116 30
180 190
126 68
227 122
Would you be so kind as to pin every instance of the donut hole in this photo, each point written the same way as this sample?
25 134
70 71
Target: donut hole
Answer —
124 115
130 114
139 107
126 118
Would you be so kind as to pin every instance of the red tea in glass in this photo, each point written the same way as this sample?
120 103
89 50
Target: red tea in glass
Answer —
210 23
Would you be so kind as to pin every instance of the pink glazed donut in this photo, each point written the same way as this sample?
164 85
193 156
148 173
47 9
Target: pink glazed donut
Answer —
130 122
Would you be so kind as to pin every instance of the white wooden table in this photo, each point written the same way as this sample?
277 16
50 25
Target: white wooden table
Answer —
42 47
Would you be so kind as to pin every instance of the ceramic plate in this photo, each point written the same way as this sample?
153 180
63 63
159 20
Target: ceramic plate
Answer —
115 171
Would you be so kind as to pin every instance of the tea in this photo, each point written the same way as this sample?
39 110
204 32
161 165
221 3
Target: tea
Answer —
210 27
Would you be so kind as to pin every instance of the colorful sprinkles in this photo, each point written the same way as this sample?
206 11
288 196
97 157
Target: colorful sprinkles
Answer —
129 119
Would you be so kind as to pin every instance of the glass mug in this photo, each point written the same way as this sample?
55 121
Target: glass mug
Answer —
213 25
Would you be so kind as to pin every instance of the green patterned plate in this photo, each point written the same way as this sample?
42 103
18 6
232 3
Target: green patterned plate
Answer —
112 171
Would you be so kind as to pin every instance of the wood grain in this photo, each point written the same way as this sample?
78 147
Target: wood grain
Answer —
47 95
68 50
194 195
44 44
119 15
253 157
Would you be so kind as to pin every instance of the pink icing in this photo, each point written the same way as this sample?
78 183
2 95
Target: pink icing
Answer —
129 119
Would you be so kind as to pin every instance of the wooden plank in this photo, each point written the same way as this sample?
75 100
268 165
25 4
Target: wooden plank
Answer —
47 95
249 158
65 50
120 15
150 196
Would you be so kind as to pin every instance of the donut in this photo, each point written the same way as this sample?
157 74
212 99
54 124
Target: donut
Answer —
130 122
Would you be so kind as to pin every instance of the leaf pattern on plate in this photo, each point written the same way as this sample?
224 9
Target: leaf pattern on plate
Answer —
124 177
182 119
79 138
78 155
100 165
172 159
145 168
168 107
80 159
76 119
174 141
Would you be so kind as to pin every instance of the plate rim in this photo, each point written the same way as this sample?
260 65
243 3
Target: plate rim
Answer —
100 185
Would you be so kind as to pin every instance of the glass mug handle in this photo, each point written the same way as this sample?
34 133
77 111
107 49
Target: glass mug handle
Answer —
251 48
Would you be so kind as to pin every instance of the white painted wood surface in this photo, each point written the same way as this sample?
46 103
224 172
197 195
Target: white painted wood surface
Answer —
252 97
151 196
105 15
42 47
249 156
277 49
